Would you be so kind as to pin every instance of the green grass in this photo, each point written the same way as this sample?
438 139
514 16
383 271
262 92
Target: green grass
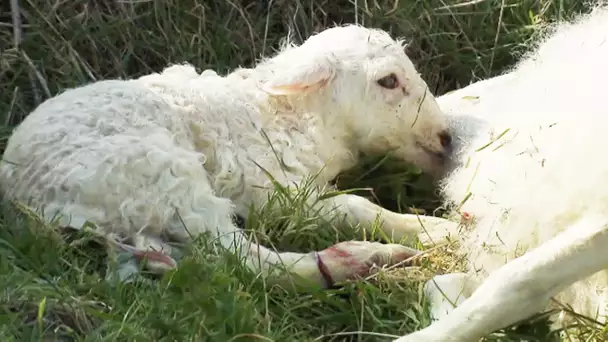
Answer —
52 283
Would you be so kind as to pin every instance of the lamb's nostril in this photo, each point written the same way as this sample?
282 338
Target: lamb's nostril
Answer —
445 139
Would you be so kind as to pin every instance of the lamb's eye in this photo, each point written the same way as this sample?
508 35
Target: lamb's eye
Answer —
389 82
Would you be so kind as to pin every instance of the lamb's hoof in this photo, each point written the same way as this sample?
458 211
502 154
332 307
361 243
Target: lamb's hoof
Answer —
157 262
128 266
355 259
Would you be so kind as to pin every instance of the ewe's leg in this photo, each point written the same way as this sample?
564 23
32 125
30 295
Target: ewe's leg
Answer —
447 291
360 211
524 286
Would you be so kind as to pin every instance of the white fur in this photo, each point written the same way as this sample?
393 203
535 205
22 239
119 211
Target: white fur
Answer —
539 191
144 157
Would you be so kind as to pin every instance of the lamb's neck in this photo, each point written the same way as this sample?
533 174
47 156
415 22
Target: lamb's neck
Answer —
325 146
328 135
333 143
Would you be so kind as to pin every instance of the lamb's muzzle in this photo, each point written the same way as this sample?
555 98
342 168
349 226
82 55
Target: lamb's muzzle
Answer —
445 139
445 152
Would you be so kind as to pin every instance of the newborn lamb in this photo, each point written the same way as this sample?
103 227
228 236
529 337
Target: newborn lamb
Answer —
172 155
530 150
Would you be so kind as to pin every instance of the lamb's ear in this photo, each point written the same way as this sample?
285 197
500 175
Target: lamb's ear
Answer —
301 76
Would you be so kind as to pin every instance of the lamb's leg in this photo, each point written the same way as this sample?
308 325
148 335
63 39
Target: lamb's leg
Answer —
524 286
340 262
345 260
201 211
360 211
155 252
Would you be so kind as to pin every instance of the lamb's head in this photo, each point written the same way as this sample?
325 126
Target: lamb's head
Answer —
366 89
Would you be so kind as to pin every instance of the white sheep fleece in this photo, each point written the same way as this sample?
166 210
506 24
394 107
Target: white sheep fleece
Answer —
541 189
127 154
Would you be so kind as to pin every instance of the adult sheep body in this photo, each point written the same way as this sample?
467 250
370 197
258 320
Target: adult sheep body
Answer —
529 147
171 155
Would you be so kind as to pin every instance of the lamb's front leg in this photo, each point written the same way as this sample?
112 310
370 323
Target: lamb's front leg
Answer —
360 211
343 261
524 286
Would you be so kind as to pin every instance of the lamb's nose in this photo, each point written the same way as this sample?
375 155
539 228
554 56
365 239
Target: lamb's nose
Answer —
445 139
